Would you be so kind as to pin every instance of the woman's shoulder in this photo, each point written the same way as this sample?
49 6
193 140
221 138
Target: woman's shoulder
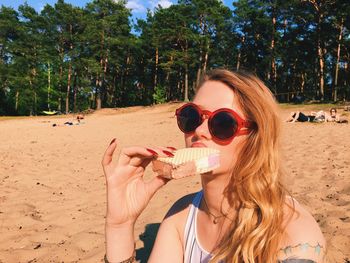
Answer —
303 238
177 215
181 207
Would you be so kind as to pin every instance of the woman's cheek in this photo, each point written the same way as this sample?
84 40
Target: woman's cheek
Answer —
228 162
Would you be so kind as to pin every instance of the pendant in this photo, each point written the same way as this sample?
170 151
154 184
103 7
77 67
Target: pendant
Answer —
215 221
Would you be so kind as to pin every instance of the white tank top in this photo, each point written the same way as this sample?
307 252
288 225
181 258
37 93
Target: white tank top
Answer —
194 253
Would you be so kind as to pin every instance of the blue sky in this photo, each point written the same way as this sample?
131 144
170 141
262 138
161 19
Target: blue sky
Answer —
139 7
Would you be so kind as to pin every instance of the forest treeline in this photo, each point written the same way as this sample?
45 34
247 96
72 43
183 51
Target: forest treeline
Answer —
68 58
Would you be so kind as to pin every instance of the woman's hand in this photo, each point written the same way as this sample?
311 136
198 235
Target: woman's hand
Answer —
127 192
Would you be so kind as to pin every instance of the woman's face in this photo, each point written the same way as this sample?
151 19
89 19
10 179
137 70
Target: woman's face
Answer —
211 96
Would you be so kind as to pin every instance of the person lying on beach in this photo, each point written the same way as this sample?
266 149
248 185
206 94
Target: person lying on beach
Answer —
318 116
69 123
243 213
79 117
335 117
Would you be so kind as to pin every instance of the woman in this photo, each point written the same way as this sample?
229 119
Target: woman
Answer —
333 116
242 213
319 116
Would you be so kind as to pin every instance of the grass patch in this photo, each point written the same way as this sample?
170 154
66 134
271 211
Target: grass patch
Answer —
5 118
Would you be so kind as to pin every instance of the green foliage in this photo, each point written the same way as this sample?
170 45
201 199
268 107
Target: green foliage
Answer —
159 95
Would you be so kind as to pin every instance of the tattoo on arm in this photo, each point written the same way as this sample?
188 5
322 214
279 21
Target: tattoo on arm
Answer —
300 249
291 260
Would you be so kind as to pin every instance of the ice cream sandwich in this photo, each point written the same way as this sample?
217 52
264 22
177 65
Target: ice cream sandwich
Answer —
187 162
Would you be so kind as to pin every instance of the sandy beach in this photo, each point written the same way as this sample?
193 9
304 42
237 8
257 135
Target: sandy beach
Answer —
52 188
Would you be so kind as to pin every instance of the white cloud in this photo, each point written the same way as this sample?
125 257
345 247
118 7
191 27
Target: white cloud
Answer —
135 6
162 3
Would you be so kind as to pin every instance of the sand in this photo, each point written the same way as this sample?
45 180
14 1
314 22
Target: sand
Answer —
52 188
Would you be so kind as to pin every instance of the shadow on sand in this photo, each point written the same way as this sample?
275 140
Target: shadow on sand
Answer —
148 237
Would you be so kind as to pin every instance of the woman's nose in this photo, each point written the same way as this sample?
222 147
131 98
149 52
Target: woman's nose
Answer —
202 130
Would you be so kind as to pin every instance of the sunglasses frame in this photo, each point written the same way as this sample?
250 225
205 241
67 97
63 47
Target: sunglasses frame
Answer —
205 114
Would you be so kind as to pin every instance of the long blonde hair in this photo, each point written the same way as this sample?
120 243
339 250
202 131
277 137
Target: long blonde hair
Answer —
255 184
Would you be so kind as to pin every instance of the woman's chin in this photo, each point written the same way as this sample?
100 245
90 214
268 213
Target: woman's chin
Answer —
216 173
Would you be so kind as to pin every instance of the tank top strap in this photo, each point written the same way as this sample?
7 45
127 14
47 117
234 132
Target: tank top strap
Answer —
192 214
190 231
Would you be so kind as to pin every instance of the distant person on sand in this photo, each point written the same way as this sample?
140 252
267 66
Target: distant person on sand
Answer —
243 213
335 117
78 119
318 116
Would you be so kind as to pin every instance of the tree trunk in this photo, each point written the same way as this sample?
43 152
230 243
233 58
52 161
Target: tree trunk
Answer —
99 79
186 72
59 108
69 70
17 100
169 91
155 79
92 100
107 89
320 51
338 59
346 90
254 58
98 93
186 83
206 57
60 89
294 76
68 86
302 85
240 54
31 89
199 71
75 91
49 86
35 103
321 70
114 94
60 76
179 84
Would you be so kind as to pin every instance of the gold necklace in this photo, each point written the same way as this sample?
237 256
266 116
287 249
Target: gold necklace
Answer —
216 218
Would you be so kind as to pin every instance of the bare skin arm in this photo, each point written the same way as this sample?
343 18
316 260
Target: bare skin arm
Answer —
127 196
169 245
304 241
297 261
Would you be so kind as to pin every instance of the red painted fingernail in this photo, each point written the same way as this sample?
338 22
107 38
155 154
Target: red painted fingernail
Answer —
171 148
152 152
168 153
112 141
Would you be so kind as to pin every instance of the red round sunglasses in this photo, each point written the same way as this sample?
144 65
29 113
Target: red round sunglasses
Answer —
224 124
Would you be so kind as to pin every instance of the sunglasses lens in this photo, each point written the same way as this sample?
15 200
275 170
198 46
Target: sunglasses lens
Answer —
188 119
223 125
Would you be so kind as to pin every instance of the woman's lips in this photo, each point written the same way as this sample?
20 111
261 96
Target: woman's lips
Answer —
198 145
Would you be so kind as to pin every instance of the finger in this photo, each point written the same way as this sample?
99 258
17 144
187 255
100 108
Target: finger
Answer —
136 154
146 162
173 149
108 155
156 151
156 183
141 161
164 151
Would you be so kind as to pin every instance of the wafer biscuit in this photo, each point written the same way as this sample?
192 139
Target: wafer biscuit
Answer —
187 162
